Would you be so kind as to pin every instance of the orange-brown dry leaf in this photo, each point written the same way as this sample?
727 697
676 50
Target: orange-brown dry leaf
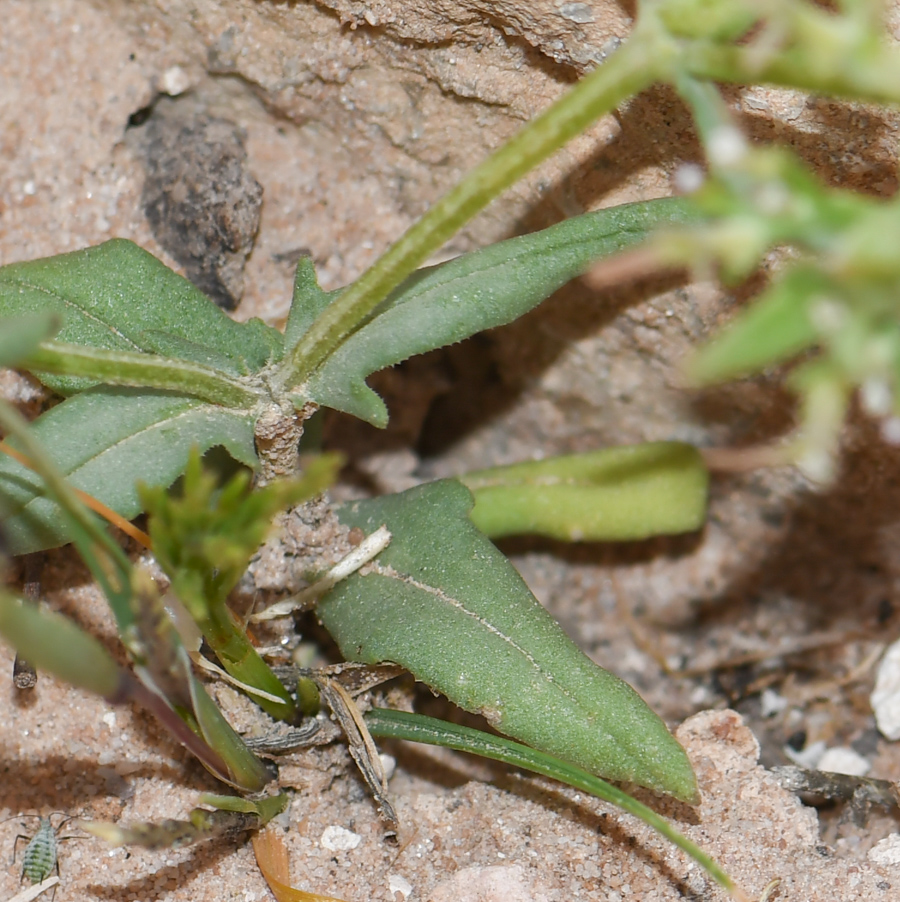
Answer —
272 858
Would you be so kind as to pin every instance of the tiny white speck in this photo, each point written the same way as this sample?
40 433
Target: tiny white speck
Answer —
389 764
689 178
174 81
726 146
110 719
844 760
890 430
876 396
29 188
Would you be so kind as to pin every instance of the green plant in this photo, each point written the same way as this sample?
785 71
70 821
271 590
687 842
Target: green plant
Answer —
104 436
152 370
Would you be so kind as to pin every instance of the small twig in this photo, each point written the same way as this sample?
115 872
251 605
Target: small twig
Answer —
843 787
24 674
743 460
369 548
286 739
362 747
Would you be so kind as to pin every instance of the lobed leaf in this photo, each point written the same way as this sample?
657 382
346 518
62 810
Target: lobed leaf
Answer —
612 495
103 440
490 287
444 603
120 297
308 301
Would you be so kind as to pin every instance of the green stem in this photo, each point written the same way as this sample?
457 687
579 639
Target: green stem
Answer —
875 79
708 108
141 371
242 661
631 69
391 724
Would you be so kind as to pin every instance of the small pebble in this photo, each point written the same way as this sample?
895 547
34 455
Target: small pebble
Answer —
339 839
887 851
885 699
843 760
398 884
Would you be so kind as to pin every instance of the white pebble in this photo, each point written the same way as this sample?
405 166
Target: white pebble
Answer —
339 839
885 699
771 703
808 757
843 760
398 884
174 81
887 851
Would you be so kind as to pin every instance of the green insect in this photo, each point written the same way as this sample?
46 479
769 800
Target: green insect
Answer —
40 857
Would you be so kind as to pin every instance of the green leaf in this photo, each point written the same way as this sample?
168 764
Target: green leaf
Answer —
444 603
487 288
773 329
617 494
103 440
308 302
19 335
267 807
204 536
54 643
114 295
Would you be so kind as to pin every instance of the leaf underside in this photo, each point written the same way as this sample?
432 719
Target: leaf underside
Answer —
104 440
444 603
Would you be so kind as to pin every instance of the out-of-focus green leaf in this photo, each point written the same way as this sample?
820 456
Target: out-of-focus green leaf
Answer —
267 807
205 536
19 335
103 441
773 329
444 603
617 494
120 297
53 643
202 825
246 771
487 288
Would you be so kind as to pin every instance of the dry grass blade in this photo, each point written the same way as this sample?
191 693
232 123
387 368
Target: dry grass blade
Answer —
272 858
32 892
362 747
